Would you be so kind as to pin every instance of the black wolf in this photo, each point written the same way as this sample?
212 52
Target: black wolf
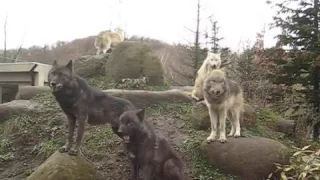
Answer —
81 102
148 151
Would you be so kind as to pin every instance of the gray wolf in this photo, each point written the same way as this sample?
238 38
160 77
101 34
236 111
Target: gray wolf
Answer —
148 151
83 103
104 39
212 61
224 99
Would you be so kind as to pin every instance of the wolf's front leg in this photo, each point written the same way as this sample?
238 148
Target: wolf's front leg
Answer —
98 52
214 122
81 124
135 169
71 126
147 172
222 126
237 123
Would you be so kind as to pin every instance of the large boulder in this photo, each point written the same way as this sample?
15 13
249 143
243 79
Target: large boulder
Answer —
61 166
287 127
89 65
247 158
134 60
201 118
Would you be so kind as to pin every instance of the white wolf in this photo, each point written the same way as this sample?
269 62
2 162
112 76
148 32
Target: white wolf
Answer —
105 38
212 61
224 98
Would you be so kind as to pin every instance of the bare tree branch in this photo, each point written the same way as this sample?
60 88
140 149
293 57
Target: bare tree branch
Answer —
5 38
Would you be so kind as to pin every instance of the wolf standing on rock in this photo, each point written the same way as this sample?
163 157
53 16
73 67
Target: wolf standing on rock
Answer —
224 98
105 38
83 103
148 151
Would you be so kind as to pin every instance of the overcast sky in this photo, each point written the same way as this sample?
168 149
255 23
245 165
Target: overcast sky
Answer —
39 22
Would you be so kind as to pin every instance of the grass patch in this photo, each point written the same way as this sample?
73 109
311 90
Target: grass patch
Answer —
97 141
5 154
265 115
46 148
102 81
176 110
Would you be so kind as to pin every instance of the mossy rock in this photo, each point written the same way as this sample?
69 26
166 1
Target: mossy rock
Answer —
134 60
87 66
62 166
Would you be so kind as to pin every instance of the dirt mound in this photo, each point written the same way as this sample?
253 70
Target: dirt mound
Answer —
248 158
63 166
134 60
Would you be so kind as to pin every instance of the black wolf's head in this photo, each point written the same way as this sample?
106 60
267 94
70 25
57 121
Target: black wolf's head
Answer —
131 124
60 76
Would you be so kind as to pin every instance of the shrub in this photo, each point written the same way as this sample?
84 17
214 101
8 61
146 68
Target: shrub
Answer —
304 164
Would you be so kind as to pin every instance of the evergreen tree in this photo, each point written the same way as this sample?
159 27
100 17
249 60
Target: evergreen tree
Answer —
299 22
215 39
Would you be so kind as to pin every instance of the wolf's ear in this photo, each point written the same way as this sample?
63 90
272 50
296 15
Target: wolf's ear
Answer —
140 114
55 63
69 65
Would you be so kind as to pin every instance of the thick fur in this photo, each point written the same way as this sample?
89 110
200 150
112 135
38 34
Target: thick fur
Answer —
148 151
105 38
83 103
212 61
224 99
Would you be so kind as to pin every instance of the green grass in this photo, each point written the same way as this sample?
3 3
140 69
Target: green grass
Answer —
100 140
5 154
46 148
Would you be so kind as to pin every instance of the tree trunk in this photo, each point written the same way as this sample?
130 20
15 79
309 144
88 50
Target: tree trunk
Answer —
5 40
316 67
196 43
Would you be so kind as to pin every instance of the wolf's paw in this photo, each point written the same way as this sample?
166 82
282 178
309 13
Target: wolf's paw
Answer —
223 140
64 149
236 135
73 152
210 139
194 97
230 134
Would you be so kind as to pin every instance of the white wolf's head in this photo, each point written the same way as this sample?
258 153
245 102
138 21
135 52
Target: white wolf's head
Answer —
213 60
